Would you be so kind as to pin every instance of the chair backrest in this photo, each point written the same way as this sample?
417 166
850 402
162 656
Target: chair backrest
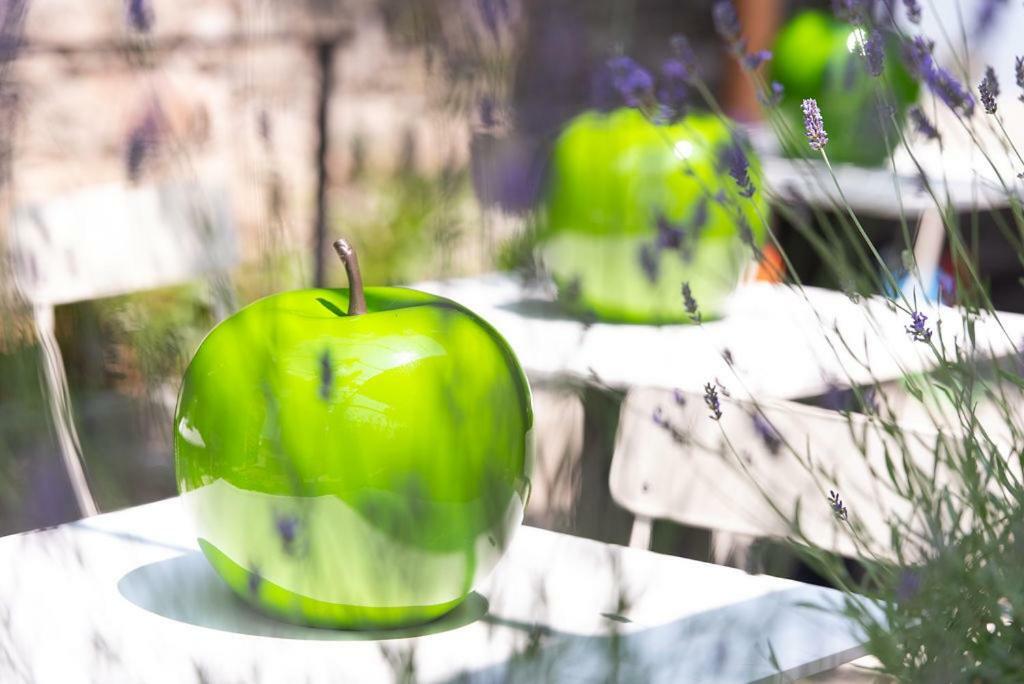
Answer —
114 239
726 475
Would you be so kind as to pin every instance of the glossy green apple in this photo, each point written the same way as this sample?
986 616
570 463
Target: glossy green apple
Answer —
817 56
613 178
358 470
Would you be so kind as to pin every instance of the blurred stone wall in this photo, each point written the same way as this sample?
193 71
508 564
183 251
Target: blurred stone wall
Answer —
222 91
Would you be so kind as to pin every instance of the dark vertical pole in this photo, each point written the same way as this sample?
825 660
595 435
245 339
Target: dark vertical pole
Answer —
325 62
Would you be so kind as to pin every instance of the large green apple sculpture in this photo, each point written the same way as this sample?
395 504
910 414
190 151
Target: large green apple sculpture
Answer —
817 56
354 459
635 209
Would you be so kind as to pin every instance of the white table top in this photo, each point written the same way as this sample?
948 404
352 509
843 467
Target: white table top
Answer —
783 345
126 597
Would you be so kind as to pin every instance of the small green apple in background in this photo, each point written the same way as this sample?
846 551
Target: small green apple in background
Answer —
354 458
817 56
635 209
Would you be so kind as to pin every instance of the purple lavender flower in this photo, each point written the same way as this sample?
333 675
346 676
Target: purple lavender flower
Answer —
255 580
773 96
989 90
917 54
139 15
674 91
669 236
633 83
917 328
849 10
649 262
1018 69
661 421
287 529
493 12
922 124
836 504
712 402
813 125
755 59
948 89
874 52
690 303
679 396
913 8
766 431
326 375
735 161
683 51
987 10
143 139
727 23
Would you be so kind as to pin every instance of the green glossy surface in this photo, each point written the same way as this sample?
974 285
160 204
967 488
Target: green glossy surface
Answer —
354 471
612 176
817 56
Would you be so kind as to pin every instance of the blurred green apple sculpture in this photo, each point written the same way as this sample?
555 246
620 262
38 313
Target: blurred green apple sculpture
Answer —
354 459
635 209
817 56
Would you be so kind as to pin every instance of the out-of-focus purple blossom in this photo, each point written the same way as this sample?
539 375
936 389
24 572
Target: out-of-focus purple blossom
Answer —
1018 72
909 585
493 12
917 54
690 304
766 431
699 217
755 59
913 8
918 329
683 52
632 82
255 580
287 528
326 375
773 96
852 11
674 89
712 402
659 419
648 256
987 11
669 236
139 15
679 396
948 89
836 504
487 116
143 139
922 124
727 22
814 126
989 90
874 52
734 159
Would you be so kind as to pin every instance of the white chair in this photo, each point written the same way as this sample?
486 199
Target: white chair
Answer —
107 241
724 477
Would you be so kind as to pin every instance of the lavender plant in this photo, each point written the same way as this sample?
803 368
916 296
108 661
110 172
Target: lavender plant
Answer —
943 569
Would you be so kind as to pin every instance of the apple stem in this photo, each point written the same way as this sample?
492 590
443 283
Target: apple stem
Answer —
356 298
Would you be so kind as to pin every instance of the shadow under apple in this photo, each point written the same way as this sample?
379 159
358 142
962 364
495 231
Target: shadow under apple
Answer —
185 588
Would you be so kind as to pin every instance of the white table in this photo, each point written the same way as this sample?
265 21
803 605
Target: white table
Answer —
783 345
126 597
